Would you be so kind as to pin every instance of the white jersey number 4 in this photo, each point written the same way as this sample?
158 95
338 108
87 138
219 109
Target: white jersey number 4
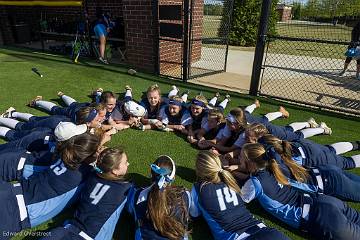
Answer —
98 192
228 195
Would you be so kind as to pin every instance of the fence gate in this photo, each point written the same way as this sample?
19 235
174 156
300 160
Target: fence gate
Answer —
193 37
304 61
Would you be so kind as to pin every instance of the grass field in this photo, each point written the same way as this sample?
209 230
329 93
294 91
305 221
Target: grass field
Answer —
308 30
19 84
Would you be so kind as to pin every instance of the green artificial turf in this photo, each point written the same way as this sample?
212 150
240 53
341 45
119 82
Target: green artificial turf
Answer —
18 85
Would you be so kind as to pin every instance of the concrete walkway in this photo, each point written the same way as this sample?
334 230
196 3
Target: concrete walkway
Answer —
238 73
301 78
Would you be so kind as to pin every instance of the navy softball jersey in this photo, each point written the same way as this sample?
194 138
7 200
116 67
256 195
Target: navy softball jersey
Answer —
183 117
35 141
200 121
41 197
310 154
137 207
323 216
151 114
225 213
98 210
18 164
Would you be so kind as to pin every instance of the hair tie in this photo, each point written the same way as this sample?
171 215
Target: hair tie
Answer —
269 153
198 103
92 115
175 102
163 177
98 170
221 170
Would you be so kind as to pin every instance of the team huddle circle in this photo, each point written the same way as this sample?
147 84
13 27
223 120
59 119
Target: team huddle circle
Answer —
53 162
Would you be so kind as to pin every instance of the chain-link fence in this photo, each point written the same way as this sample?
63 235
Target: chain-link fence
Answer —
305 60
209 45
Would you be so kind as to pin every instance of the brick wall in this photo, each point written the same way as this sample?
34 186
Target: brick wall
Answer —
140 32
141 28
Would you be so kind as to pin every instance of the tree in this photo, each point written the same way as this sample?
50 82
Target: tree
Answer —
245 22
296 11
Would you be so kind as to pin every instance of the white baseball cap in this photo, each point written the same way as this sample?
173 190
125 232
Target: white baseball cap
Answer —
134 109
66 130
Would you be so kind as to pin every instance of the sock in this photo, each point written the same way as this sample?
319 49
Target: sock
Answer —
184 97
342 147
173 92
296 126
356 159
67 100
22 116
4 131
224 103
9 122
309 132
250 109
213 101
273 115
128 94
45 105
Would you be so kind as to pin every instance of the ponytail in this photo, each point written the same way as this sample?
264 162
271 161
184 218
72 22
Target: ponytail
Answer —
229 180
278 174
208 169
263 158
285 150
166 207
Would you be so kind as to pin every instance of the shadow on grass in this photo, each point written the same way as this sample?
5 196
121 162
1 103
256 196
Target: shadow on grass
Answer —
139 180
188 174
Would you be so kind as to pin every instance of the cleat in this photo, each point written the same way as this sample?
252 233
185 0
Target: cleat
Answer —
327 130
131 71
127 87
8 112
217 94
284 112
60 94
227 96
32 103
104 61
313 123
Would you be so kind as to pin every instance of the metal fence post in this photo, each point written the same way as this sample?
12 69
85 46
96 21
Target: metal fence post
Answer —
186 48
260 47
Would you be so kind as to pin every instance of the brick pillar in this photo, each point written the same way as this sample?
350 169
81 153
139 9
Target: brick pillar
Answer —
197 29
140 34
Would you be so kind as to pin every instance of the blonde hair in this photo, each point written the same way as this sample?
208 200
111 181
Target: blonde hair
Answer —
201 98
176 98
208 169
109 159
255 152
216 114
285 150
154 88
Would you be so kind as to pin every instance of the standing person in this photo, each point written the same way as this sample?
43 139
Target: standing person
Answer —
102 29
216 196
161 211
102 200
355 39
